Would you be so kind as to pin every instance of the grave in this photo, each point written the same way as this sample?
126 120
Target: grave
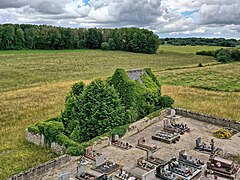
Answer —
174 127
167 137
124 175
105 167
202 147
222 167
91 154
174 170
145 165
146 147
65 176
83 173
120 144
190 160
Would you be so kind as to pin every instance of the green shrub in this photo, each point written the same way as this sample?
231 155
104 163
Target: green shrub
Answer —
121 130
224 55
165 101
105 46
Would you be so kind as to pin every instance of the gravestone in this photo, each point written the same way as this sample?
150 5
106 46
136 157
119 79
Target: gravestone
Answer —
100 160
65 176
81 169
150 175
115 137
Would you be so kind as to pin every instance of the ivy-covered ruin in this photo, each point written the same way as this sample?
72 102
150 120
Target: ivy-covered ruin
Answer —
103 106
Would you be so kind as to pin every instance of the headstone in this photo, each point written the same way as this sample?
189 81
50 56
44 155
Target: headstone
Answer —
115 138
65 176
198 142
100 160
81 169
150 175
149 153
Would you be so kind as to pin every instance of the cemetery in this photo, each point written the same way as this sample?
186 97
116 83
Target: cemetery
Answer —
196 158
117 149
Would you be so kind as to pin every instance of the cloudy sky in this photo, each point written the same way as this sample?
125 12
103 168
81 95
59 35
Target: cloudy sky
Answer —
167 18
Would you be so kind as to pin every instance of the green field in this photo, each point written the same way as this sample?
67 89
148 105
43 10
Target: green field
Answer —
222 77
27 70
33 86
187 49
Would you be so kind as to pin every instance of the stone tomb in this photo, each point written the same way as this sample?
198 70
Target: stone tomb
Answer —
91 154
202 147
105 167
65 176
166 137
174 170
146 147
223 167
116 141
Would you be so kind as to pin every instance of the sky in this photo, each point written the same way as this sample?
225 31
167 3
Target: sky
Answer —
167 18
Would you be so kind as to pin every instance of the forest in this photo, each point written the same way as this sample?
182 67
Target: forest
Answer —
201 41
25 36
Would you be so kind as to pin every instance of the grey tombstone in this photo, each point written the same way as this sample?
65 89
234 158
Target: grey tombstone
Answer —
65 176
115 137
150 175
81 169
100 160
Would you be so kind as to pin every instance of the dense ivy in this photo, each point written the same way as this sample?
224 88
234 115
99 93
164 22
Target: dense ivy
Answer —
103 107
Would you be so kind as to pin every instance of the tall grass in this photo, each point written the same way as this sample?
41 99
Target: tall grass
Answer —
221 104
222 77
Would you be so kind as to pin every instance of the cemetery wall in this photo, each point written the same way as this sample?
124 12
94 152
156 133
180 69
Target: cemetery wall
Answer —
144 123
209 118
36 172
39 140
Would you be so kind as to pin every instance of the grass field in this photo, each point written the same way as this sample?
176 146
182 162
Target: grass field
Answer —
222 77
26 70
33 86
187 49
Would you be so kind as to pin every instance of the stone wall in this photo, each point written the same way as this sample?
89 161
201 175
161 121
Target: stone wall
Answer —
209 118
103 142
36 172
37 139
144 123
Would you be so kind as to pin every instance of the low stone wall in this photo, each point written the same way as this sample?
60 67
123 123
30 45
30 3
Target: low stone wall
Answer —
103 142
144 123
209 118
37 139
36 172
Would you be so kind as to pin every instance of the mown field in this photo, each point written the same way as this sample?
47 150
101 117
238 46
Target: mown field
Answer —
33 86
187 49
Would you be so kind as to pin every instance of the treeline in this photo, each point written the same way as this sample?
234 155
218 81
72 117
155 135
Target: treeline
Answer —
223 55
25 36
201 41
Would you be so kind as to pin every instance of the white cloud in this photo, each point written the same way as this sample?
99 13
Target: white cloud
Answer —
194 17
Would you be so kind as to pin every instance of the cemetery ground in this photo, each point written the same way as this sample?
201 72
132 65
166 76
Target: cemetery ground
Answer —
33 85
128 158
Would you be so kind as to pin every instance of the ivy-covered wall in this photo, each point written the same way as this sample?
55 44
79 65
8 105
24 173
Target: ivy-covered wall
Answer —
103 106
